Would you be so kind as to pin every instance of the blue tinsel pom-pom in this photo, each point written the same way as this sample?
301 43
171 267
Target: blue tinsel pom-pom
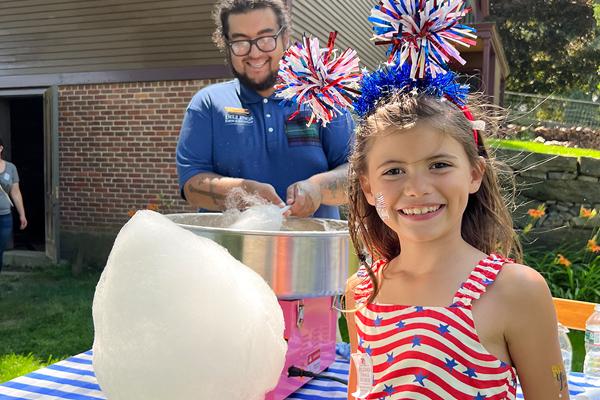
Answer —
387 80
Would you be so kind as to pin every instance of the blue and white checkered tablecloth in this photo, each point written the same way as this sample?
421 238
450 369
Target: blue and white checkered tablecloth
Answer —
74 379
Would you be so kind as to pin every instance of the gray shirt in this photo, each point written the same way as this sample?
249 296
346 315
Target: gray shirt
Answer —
8 178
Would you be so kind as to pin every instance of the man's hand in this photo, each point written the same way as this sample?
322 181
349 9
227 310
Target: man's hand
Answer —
210 191
264 190
304 198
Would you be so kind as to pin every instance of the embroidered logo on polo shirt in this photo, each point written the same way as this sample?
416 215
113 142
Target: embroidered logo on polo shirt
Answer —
238 116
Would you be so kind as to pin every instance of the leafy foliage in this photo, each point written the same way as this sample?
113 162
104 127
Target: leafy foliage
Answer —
552 46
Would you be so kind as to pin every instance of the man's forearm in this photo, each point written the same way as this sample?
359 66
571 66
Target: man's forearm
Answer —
333 185
209 190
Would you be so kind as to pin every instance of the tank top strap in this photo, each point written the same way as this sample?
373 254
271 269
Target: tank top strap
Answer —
482 276
363 290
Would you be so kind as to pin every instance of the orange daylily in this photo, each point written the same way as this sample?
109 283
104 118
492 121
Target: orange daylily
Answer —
593 246
562 260
536 213
152 206
131 212
587 213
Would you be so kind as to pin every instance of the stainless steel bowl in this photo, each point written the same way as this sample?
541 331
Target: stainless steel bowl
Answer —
307 258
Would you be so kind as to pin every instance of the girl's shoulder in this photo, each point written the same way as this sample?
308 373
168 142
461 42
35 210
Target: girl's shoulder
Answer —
360 285
517 283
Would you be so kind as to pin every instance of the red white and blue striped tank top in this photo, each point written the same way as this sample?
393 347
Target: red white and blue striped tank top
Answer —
431 352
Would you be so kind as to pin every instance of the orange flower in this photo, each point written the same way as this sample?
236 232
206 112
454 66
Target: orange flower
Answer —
593 246
562 260
152 206
536 213
587 213
131 212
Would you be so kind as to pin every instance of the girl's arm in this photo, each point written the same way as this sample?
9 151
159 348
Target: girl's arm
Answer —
350 305
15 194
532 334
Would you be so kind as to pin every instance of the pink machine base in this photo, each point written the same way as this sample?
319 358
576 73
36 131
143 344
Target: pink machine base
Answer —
310 330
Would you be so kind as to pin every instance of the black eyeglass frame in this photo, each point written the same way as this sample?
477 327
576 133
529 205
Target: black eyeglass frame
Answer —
254 42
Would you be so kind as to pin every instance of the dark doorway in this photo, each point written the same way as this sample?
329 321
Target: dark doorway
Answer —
27 153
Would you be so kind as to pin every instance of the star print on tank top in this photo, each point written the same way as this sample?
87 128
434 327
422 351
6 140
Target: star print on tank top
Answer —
422 352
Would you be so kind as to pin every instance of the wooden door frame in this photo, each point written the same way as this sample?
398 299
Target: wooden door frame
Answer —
50 185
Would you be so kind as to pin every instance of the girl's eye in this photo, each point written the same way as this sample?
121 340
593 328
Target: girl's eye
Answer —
393 171
440 165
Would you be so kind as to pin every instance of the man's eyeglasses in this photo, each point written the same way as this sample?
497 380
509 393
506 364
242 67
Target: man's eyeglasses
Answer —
264 43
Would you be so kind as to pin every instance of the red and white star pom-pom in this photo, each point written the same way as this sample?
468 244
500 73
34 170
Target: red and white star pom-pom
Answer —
313 76
422 33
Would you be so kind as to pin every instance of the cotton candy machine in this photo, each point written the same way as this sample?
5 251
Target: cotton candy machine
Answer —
306 265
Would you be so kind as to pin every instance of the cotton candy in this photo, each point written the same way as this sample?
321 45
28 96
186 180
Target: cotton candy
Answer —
177 317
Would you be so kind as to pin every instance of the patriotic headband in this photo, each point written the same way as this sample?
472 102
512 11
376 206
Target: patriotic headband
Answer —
421 35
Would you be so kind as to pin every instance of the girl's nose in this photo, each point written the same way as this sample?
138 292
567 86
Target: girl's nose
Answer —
416 185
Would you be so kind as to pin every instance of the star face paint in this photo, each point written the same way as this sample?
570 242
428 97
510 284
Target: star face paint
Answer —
380 206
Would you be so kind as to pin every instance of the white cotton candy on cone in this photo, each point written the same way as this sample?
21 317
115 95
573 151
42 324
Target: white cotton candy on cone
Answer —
177 317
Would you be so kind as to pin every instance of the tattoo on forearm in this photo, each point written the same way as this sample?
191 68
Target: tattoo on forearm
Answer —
198 188
335 187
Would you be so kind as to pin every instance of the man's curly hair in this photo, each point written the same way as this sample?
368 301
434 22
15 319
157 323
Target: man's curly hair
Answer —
225 8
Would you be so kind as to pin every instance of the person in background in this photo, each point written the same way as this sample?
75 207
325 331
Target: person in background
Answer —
236 135
10 196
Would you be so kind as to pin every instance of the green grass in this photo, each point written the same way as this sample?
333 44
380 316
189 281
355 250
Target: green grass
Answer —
45 316
542 148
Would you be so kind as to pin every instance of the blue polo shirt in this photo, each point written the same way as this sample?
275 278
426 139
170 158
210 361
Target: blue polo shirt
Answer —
231 130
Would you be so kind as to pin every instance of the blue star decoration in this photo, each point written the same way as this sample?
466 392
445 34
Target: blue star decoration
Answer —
502 364
378 320
420 378
389 390
368 350
479 396
470 372
419 308
451 363
487 282
360 341
400 324
390 357
416 341
443 329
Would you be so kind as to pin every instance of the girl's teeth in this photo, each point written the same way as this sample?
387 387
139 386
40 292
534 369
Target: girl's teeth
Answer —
419 211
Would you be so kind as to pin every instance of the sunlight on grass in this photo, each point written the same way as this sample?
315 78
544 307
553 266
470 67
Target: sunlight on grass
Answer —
14 365
542 148
45 316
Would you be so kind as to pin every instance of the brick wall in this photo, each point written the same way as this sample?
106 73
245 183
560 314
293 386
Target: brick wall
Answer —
117 150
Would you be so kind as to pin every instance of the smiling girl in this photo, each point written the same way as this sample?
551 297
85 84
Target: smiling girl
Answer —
440 312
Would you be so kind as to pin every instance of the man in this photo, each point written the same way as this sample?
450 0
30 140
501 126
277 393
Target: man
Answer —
235 134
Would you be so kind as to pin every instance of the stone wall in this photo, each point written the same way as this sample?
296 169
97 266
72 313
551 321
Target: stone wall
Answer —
564 185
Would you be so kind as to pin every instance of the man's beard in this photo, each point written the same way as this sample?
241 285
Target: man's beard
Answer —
265 84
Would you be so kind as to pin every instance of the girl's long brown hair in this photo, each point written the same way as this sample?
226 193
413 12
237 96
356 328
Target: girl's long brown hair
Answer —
487 223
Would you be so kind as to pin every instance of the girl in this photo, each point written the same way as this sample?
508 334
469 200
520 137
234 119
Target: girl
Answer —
440 313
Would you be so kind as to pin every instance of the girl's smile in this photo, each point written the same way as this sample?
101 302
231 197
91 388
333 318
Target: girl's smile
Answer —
422 212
